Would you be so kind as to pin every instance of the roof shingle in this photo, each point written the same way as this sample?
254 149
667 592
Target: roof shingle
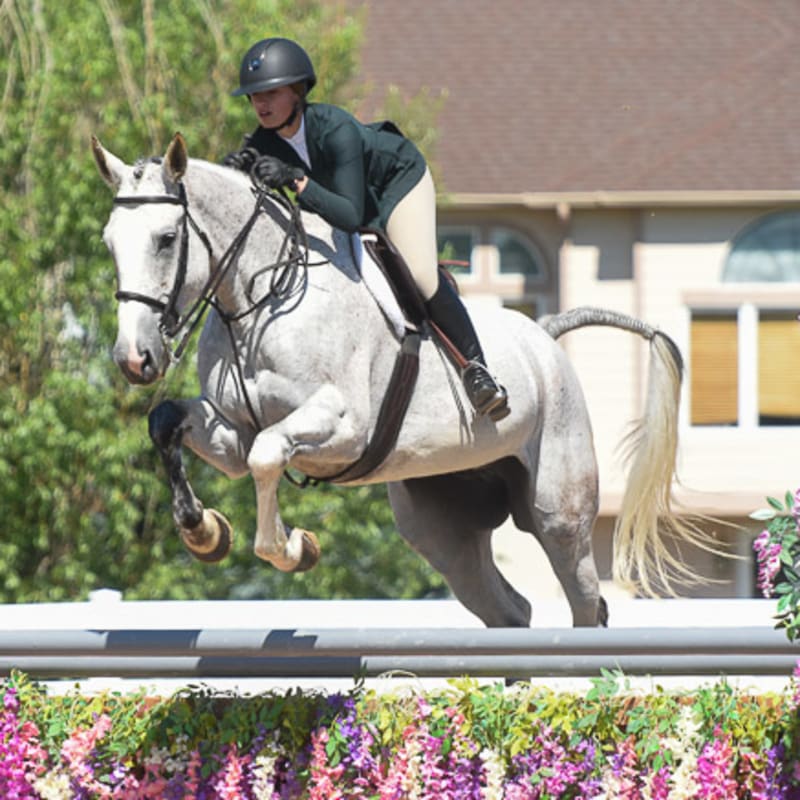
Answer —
600 95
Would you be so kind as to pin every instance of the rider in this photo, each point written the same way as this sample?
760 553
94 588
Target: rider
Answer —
355 176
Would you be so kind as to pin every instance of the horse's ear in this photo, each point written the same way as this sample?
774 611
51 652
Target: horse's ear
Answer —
110 167
176 159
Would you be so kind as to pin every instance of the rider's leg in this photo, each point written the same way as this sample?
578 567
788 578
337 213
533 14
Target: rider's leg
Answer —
448 312
412 229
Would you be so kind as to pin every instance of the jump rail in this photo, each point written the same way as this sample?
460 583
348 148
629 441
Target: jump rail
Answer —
371 652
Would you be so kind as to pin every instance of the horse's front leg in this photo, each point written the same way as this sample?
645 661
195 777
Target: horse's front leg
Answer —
205 532
322 422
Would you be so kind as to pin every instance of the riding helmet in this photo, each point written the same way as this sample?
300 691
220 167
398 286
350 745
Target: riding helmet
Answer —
274 62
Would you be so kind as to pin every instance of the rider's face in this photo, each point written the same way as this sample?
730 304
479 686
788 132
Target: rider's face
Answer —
274 106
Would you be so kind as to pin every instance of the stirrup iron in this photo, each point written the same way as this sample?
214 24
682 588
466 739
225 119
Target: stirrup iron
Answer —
485 394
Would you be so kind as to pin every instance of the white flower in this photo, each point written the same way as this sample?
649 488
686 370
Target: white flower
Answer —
54 785
495 773
264 777
682 783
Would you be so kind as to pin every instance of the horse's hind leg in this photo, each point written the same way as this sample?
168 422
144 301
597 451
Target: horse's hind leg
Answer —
205 532
567 540
558 504
450 522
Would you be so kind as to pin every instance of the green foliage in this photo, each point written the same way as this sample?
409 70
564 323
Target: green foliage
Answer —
82 491
522 734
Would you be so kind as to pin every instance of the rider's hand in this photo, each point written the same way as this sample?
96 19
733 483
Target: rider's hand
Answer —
274 173
242 160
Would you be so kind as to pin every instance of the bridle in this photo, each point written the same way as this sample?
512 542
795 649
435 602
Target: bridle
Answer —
171 321
292 257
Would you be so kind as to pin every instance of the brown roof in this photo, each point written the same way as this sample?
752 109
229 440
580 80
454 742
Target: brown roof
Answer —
600 95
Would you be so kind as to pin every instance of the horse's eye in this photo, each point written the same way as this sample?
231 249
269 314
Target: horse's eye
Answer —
165 241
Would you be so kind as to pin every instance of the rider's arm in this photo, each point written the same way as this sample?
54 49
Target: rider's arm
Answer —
342 203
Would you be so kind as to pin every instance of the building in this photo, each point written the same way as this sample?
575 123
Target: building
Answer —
642 155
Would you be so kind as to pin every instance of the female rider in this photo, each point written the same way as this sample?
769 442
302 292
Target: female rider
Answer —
355 176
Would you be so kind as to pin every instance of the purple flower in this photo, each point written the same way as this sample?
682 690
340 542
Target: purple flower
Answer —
549 769
10 700
768 557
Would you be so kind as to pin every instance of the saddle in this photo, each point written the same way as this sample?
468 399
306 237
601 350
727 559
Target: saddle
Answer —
406 367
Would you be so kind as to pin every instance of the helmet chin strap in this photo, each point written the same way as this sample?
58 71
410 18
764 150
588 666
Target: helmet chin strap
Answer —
298 107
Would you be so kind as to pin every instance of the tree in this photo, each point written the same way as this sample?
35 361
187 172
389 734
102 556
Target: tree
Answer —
83 496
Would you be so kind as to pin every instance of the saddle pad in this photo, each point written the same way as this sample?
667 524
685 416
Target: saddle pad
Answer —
377 284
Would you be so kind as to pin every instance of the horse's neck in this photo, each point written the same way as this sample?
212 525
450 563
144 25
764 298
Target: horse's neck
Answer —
224 205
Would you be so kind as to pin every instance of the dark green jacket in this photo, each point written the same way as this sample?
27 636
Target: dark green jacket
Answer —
358 172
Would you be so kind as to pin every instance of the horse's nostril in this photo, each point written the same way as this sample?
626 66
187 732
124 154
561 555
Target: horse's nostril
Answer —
147 365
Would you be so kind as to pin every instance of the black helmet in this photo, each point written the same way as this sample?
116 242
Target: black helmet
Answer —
274 62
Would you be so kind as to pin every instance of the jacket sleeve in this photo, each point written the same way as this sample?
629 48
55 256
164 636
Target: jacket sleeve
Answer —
343 203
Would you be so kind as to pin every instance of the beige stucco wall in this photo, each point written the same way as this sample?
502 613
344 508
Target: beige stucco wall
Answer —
675 255
652 263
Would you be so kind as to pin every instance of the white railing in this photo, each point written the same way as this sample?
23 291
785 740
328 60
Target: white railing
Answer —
342 639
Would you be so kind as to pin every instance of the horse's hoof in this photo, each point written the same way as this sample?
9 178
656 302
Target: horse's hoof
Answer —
211 540
311 553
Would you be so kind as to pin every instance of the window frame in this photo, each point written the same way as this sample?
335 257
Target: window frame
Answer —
746 302
512 289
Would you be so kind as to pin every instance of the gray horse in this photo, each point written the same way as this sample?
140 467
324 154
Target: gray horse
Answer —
294 359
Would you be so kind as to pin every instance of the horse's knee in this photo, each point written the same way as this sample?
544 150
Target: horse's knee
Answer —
164 421
270 453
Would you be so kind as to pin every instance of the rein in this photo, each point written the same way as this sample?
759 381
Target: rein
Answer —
292 259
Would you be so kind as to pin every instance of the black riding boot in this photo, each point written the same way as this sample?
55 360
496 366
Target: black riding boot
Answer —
448 312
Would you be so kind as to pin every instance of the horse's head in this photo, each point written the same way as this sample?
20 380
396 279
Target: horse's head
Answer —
158 274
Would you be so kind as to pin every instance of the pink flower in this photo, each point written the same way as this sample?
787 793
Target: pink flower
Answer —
77 750
715 769
193 775
230 785
325 779
22 759
768 557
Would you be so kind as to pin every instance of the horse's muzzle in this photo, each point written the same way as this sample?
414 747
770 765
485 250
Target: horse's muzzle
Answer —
140 365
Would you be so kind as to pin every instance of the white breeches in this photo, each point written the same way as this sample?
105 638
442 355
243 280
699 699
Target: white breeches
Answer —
412 230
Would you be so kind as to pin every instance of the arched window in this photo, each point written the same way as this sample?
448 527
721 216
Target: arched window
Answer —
500 258
743 355
514 253
766 251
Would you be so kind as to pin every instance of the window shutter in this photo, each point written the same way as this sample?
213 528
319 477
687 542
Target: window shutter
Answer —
778 372
714 365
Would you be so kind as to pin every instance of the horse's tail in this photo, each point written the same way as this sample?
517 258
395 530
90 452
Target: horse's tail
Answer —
641 557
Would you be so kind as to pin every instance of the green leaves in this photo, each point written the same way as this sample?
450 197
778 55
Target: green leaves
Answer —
82 492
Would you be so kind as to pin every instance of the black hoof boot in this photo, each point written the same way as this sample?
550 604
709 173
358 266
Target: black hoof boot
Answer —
487 396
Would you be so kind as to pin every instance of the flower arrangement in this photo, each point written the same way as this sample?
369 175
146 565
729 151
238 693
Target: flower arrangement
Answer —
777 550
465 742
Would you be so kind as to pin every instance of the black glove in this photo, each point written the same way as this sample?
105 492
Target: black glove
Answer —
274 173
242 160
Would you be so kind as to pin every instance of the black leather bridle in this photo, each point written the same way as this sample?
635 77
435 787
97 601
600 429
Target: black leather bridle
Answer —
284 269
171 322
